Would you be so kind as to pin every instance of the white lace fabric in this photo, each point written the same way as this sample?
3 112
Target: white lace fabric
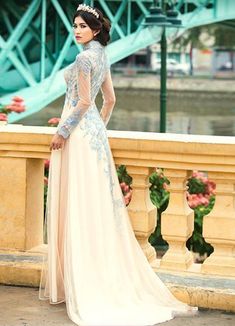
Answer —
82 78
94 263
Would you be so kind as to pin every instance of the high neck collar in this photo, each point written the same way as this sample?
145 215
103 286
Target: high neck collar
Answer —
93 44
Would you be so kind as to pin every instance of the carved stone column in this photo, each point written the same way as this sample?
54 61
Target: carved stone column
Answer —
219 227
21 209
141 210
177 223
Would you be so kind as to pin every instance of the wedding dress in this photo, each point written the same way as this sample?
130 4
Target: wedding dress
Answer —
94 263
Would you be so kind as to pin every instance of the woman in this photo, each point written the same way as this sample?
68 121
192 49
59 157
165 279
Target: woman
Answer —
95 263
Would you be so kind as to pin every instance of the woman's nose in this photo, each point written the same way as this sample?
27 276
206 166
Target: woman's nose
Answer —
77 30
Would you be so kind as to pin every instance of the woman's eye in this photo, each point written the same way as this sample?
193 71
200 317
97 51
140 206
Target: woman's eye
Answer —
74 26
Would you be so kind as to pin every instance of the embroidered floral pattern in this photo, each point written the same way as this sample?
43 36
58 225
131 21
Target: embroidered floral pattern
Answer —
94 128
89 120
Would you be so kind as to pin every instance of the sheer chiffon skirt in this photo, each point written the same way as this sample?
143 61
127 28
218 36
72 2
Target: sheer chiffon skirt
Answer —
94 263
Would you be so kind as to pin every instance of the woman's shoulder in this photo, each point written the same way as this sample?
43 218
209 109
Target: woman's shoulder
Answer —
83 60
83 56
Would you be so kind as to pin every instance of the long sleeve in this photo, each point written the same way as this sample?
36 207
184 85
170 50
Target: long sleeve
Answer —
83 71
108 96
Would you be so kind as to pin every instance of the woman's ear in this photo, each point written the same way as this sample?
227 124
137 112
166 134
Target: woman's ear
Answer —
96 32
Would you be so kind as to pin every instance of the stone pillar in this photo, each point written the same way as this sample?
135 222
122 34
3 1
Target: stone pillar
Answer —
21 209
142 212
219 227
177 223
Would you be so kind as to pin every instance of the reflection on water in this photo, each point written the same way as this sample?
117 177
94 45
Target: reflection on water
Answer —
138 110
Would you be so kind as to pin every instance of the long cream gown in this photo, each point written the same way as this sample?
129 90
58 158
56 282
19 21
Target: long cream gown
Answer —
94 262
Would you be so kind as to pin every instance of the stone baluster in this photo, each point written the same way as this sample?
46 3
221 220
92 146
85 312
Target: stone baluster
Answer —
219 227
141 210
177 223
21 209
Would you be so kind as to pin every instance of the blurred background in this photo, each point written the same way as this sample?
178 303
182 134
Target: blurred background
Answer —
37 45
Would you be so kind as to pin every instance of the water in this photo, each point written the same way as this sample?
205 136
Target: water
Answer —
202 113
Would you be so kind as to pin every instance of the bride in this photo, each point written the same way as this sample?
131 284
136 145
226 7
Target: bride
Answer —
94 262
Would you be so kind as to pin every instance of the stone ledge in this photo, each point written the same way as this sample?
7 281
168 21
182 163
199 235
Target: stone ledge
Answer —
24 269
201 291
20 268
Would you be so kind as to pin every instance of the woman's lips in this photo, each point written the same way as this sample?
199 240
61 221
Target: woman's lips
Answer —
78 37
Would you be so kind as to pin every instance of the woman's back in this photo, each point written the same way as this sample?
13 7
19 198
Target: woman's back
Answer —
92 57
89 73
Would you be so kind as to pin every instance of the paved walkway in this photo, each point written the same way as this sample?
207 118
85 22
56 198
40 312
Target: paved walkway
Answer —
19 306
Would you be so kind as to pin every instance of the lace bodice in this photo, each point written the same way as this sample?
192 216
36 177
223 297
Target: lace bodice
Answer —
84 77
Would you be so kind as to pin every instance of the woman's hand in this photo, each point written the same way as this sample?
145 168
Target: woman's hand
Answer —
57 142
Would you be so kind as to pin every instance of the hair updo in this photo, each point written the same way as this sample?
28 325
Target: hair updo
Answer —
102 24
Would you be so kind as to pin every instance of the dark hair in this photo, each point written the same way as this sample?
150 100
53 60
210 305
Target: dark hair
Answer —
102 24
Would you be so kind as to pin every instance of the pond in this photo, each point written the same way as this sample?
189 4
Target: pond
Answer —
188 112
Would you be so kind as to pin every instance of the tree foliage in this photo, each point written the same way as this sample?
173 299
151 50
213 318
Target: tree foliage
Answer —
220 34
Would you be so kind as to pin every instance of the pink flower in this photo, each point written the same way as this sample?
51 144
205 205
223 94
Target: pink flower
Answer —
3 117
127 197
53 121
195 200
164 185
203 179
199 175
196 174
127 201
16 107
125 188
204 201
47 164
17 99
211 187
192 204
122 185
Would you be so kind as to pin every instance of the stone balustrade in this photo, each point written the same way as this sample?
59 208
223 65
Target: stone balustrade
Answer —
23 151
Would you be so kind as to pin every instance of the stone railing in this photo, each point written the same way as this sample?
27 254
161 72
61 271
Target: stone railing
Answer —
179 155
22 153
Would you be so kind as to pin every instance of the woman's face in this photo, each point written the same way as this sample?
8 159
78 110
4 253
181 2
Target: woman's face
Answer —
82 32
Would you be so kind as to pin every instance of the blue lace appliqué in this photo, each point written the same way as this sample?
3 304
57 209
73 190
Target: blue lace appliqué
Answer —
94 127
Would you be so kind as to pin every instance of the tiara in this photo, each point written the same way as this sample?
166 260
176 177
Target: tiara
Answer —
88 9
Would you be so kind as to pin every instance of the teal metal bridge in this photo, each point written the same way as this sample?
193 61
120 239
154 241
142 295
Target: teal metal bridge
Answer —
37 43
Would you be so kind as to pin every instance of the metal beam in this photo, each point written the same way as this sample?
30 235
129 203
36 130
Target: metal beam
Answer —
33 32
19 66
43 38
118 15
61 57
111 17
142 7
64 20
19 30
18 45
